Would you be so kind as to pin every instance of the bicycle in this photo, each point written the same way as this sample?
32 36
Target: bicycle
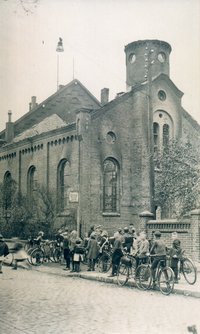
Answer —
104 262
164 276
187 269
41 254
126 269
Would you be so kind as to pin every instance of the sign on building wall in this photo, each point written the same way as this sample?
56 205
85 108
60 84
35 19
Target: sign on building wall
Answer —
73 197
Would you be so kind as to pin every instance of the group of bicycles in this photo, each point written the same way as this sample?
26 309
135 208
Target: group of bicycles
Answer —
45 251
163 278
128 270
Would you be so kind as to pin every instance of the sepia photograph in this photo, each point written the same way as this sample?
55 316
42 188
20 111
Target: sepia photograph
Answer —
99 166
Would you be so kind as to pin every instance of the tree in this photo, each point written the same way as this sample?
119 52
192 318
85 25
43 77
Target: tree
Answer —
177 181
21 218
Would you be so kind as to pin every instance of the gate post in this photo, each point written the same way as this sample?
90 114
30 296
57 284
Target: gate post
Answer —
145 216
195 228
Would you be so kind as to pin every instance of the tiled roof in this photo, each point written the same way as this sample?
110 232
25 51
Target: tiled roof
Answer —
49 123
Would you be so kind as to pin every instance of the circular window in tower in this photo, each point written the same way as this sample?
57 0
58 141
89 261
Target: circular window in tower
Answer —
111 137
132 58
162 95
161 57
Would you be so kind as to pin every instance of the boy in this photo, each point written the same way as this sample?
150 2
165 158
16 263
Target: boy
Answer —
158 249
175 253
143 249
4 251
78 255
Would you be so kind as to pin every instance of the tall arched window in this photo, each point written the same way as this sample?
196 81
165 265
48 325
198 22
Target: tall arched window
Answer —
110 185
156 137
32 181
63 176
165 135
7 190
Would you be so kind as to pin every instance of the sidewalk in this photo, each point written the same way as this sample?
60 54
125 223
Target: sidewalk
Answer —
183 288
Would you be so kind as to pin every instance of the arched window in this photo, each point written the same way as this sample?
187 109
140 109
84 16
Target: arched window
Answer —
32 181
110 185
156 137
63 176
165 135
7 190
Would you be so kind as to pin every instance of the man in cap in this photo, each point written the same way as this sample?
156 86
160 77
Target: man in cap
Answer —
159 251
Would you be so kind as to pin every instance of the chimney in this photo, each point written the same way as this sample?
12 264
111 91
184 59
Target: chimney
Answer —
104 96
9 128
33 103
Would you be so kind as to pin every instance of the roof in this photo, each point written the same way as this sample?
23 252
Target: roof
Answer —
50 123
48 107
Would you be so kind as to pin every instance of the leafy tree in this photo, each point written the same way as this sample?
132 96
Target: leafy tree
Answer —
177 182
21 217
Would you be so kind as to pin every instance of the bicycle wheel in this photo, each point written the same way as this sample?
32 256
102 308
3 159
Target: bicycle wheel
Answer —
189 271
143 277
122 274
104 264
37 257
57 255
166 280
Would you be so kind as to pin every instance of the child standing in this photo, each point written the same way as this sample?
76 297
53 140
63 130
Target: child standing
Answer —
175 253
4 251
93 252
78 255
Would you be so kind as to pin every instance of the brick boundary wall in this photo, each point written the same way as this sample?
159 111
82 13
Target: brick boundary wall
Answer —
188 231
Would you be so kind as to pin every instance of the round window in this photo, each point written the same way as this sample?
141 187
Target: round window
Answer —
162 95
132 58
111 137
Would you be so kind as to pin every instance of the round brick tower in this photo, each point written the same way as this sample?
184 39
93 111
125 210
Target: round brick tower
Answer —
140 55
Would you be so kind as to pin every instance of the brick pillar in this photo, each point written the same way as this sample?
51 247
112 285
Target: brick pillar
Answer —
195 230
145 216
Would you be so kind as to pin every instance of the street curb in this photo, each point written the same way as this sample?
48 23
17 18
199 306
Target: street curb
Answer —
177 291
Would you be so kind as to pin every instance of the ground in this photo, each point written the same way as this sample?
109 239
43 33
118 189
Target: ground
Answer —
40 303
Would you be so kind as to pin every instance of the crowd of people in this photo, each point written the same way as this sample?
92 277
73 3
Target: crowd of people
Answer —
97 242
124 241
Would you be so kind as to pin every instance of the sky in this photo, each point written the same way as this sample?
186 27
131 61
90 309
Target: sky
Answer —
94 34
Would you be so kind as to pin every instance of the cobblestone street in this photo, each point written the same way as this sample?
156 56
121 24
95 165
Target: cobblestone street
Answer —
35 302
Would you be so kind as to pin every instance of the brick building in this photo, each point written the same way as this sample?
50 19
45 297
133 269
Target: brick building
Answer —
98 156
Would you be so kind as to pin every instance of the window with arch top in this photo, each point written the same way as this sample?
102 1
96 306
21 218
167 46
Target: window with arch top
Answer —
110 186
165 135
8 188
32 182
63 178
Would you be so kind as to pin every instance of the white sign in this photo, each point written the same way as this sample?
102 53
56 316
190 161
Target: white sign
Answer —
73 197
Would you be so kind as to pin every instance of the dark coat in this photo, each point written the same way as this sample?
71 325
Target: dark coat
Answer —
4 251
93 249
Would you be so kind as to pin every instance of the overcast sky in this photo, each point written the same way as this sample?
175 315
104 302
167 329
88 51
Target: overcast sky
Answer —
94 33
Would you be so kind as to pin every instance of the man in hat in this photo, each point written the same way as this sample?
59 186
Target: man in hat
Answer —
159 251
4 251
66 250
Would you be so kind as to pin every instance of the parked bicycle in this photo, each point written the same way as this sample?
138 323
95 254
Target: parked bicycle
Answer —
104 261
126 269
42 253
164 276
187 268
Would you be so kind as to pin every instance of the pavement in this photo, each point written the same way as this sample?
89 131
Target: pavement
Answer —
49 301
182 288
